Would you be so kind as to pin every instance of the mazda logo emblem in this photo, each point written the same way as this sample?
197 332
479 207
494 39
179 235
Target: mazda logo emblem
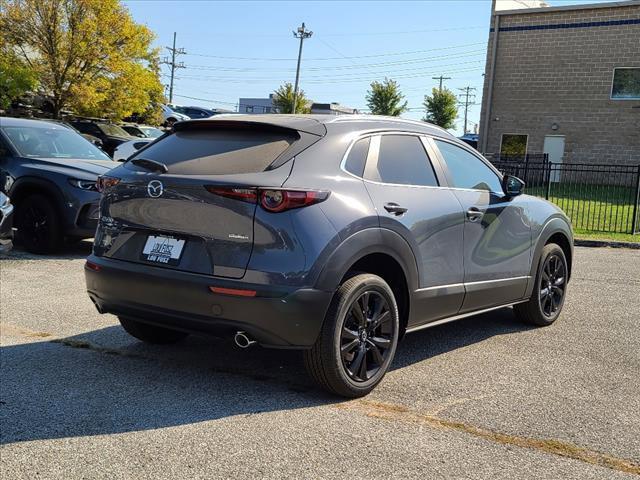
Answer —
155 188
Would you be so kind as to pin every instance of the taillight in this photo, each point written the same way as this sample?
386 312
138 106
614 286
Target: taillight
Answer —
271 199
105 182
281 200
245 194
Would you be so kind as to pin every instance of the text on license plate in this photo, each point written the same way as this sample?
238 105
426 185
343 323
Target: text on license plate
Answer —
161 249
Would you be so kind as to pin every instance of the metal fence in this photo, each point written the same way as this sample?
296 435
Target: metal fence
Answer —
596 197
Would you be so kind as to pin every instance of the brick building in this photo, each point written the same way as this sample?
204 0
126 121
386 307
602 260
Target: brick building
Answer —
564 81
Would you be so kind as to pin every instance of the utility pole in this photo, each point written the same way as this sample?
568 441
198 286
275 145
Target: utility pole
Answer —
172 63
441 78
469 99
302 33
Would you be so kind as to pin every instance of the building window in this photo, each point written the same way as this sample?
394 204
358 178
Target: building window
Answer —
513 145
626 83
249 110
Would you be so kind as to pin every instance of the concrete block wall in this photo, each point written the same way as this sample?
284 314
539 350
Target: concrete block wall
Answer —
562 75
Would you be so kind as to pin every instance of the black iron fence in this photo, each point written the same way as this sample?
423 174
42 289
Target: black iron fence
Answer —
596 197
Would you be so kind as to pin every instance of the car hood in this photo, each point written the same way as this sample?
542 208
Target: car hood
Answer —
71 166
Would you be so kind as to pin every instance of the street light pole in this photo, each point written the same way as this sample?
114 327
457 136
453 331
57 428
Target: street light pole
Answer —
301 33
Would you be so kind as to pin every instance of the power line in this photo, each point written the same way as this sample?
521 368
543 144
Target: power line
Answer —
342 57
352 66
336 79
174 51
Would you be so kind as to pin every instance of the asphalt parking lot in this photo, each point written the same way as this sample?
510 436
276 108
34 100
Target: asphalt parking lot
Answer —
482 398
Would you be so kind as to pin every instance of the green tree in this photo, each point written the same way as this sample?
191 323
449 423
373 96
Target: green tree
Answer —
385 98
89 55
283 100
16 77
441 108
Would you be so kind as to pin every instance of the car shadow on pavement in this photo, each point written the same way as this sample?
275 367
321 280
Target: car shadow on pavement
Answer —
103 382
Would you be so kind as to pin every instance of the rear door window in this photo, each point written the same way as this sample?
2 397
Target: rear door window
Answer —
401 160
218 152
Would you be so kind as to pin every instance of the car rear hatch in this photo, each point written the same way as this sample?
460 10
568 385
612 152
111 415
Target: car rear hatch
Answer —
180 203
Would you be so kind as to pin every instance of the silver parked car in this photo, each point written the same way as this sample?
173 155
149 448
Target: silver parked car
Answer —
333 235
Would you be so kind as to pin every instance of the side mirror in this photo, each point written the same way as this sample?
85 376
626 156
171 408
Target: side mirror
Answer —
512 186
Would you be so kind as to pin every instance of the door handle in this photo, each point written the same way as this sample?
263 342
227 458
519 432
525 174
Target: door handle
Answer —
474 214
394 208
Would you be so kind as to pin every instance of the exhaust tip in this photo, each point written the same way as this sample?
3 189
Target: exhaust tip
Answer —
242 340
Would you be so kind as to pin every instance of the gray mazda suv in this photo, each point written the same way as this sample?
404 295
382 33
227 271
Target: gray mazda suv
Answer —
49 171
333 235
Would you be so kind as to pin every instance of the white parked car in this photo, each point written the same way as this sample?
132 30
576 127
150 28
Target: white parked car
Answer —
169 117
126 149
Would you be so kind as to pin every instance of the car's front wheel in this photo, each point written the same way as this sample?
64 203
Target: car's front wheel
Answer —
39 225
358 338
547 299
150 333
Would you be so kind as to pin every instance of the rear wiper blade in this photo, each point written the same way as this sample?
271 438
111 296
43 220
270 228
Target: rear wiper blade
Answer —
150 165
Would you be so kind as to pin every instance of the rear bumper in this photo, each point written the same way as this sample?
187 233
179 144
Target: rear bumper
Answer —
275 317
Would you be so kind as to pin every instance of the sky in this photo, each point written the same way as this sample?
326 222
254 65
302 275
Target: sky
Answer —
247 49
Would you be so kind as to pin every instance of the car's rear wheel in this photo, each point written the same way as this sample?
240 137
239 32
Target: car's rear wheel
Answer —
39 226
151 333
547 299
358 338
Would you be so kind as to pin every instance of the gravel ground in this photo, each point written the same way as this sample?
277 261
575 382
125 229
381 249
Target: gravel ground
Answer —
484 397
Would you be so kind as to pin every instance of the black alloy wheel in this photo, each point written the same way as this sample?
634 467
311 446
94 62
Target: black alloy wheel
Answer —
552 285
38 225
547 299
366 336
358 338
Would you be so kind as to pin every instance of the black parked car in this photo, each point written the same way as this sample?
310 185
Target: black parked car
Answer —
142 131
6 222
334 235
110 134
194 112
50 174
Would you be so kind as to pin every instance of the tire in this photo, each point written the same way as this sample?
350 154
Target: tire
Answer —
39 225
339 360
151 333
549 291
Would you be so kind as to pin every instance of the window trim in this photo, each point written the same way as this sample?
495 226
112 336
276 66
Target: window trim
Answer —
613 76
435 163
468 149
526 146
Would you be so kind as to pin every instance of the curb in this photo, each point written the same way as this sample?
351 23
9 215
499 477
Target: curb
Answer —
605 243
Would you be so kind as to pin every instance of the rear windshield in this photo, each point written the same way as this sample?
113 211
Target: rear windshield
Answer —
218 152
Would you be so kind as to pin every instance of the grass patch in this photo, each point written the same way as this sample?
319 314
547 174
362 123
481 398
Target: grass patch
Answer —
593 208
606 236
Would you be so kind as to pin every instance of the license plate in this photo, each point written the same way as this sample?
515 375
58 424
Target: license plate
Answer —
165 250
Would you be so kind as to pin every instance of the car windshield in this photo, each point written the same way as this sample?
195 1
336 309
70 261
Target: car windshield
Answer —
43 142
152 132
114 130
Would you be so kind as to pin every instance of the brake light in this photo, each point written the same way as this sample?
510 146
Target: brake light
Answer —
281 200
105 182
271 199
245 194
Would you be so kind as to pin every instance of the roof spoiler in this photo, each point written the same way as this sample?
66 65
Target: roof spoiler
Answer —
293 123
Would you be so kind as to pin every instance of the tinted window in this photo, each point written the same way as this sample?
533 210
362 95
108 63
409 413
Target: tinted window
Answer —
218 152
358 157
402 160
467 170
58 142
